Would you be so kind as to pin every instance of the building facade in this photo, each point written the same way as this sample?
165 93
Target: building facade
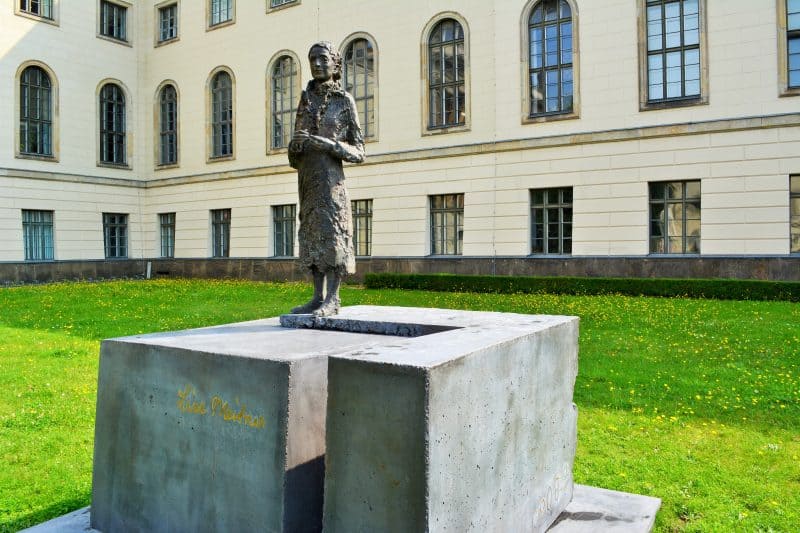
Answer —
624 137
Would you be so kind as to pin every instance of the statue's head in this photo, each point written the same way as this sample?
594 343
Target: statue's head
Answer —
326 61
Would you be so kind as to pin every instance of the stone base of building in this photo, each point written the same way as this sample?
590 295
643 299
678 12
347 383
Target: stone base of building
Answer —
773 268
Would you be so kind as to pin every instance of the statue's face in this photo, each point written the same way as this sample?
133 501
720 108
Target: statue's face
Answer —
322 64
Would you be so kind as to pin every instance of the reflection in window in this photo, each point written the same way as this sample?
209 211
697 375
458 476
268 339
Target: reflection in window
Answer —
112 125
447 224
284 101
168 125
675 217
359 80
794 202
673 49
551 221
220 232
221 115
37 234
550 57
283 217
40 8
362 227
446 71
35 112
793 41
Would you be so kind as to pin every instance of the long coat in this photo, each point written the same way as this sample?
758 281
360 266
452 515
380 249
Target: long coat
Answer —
326 232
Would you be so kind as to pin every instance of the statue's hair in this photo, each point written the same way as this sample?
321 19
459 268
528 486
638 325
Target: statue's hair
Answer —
335 55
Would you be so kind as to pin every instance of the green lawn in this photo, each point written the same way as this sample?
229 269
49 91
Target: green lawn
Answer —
696 402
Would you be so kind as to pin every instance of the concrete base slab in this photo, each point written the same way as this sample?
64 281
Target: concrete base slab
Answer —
592 510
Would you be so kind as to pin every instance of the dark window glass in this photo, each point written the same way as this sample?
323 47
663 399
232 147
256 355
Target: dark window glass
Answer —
221 11
221 115
168 22
794 203
283 217
551 221
112 125
673 49
115 235
35 112
359 81
447 224
37 235
284 101
446 73
675 217
40 8
166 222
550 57
278 3
220 232
113 20
793 41
168 126
362 227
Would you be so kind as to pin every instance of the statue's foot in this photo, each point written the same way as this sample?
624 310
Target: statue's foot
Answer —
307 308
328 308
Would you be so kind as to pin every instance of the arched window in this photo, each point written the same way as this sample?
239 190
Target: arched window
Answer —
221 115
112 125
168 126
550 69
285 95
446 74
358 75
35 112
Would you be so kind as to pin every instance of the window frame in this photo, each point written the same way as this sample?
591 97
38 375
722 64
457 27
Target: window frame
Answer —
210 157
127 40
296 89
561 205
158 123
46 231
426 130
362 217
683 200
794 216
125 134
783 51
54 113
285 5
221 228
458 244
27 13
110 224
349 40
157 40
210 25
645 104
283 240
526 116
166 234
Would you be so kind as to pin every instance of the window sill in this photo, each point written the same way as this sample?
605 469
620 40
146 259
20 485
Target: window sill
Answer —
670 104
277 151
220 158
218 25
37 18
37 157
789 91
549 256
40 260
119 166
123 42
271 9
445 130
167 166
165 42
552 117
444 256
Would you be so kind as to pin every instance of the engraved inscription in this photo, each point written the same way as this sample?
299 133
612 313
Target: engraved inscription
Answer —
556 490
188 402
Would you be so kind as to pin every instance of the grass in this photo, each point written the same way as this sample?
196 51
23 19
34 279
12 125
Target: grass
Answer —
696 402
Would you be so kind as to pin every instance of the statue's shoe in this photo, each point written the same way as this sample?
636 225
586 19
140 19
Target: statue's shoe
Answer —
328 308
307 308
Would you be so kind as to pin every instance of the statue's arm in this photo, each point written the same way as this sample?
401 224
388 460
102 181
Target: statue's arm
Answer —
352 148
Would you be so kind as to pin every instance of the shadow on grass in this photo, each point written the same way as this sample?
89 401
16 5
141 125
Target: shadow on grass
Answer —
46 513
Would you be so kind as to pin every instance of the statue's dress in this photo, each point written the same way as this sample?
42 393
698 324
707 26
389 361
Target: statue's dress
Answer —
326 234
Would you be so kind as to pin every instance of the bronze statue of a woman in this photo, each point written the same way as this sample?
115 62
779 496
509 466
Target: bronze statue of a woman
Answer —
326 133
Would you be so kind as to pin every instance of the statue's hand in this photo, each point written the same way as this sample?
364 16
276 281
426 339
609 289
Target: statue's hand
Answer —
299 140
322 144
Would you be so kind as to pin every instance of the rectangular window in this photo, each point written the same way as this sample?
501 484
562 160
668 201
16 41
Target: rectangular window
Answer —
283 217
220 11
37 235
279 3
551 221
115 235
166 222
113 20
793 42
40 8
673 50
447 224
167 23
220 232
362 227
675 217
794 202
